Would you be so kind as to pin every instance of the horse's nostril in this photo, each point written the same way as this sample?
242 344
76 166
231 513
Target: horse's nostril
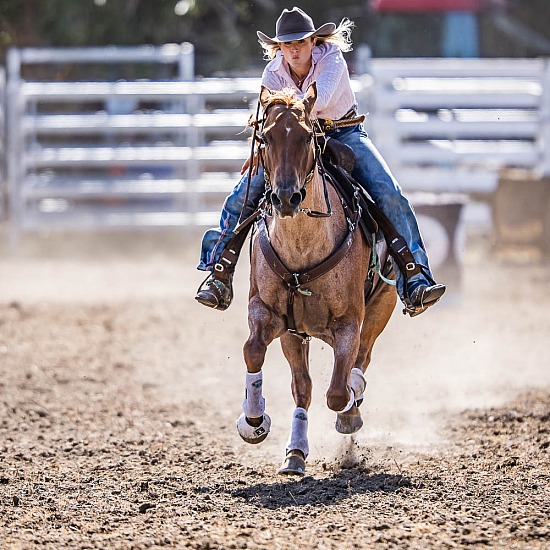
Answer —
275 200
283 200
296 199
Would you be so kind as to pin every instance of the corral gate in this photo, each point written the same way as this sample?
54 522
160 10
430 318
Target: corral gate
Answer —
450 125
161 153
101 154
476 127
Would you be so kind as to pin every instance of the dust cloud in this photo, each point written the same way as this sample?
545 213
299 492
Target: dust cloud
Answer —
479 347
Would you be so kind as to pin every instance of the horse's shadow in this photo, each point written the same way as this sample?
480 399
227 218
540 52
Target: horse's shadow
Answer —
320 492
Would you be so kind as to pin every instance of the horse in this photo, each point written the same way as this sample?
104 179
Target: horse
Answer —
286 253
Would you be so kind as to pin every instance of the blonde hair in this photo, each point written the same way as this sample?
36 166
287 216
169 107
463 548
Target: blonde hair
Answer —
341 37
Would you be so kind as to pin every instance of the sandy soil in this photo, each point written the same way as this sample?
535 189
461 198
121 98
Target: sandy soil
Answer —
119 394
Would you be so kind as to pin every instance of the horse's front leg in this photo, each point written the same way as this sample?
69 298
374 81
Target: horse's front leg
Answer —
254 424
296 352
340 394
379 313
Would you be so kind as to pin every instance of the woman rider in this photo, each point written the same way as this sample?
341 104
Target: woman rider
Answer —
299 55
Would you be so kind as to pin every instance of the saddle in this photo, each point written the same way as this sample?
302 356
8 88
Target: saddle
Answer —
339 162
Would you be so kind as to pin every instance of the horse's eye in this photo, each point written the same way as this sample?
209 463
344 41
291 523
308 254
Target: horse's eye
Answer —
309 138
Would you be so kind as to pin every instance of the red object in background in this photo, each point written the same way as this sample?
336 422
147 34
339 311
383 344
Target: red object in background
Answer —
434 5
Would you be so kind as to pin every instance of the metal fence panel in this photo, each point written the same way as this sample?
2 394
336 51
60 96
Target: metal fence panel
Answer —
106 154
451 125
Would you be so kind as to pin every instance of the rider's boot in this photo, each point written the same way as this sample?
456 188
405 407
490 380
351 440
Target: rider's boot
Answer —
217 291
423 297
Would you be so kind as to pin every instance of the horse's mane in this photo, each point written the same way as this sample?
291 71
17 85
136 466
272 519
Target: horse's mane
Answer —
286 96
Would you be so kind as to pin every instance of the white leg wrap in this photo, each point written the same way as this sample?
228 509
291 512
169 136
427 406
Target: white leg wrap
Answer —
298 434
358 383
254 403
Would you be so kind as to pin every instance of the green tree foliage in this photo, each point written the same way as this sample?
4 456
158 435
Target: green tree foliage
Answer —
223 31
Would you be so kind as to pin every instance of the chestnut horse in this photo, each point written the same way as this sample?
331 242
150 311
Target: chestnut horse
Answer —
331 307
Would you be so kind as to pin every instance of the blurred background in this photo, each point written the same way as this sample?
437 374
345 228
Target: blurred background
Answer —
122 129
129 114
223 31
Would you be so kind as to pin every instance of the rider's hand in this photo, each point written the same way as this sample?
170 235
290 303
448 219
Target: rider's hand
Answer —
246 165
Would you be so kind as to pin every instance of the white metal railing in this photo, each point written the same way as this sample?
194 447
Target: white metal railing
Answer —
180 55
104 154
86 154
114 154
450 125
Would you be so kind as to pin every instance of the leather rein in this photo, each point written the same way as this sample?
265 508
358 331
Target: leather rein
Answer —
296 280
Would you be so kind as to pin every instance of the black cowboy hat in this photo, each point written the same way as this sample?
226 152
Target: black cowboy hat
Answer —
295 24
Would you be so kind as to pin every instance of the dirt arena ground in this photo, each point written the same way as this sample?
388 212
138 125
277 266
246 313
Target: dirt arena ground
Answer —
119 395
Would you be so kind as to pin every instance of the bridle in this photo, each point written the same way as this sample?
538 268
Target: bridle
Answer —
317 164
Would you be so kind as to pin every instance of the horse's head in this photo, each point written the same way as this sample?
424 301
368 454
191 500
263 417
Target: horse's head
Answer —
289 146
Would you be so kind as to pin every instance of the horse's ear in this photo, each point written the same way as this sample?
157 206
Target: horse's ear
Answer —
310 97
265 95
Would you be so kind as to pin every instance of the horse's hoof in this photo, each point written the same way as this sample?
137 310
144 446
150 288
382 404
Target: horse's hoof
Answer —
253 434
347 423
293 465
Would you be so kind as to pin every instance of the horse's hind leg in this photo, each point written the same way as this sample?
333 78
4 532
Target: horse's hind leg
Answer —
377 315
296 352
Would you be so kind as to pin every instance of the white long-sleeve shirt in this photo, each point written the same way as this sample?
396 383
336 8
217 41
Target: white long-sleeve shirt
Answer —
329 69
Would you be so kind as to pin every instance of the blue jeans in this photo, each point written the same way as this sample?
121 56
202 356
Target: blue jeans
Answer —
370 171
